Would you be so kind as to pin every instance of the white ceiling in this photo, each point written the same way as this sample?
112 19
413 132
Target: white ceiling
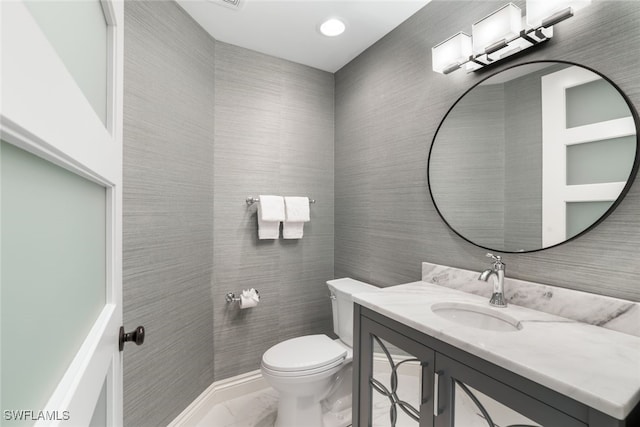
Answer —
289 28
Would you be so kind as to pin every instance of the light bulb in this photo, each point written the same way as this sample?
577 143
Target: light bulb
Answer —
332 27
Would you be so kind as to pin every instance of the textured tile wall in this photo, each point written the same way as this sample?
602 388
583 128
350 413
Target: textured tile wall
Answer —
273 135
168 210
272 122
388 106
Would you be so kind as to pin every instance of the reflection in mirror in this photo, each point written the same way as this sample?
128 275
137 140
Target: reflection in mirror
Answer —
533 156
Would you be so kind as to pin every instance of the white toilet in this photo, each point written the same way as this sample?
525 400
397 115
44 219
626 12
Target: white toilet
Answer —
312 373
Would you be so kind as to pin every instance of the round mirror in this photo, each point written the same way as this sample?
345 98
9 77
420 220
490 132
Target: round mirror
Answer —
533 156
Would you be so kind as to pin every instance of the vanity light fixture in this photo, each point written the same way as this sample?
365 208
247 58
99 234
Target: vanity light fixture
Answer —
332 27
501 34
544 13
451 53
492 31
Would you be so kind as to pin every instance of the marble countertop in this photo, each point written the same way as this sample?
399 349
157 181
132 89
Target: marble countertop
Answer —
595 366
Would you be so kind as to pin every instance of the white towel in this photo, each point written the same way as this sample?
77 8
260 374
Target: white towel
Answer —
297 213
270 213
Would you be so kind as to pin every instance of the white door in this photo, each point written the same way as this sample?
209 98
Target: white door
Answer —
61 213
588 148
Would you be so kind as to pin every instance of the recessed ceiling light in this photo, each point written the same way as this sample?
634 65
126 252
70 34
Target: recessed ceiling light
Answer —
332 27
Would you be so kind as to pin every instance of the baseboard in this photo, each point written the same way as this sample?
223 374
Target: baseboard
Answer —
218 392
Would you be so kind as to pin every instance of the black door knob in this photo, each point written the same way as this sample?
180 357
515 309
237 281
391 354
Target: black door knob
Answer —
136 336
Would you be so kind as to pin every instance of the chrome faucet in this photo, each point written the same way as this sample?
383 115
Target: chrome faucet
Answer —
497 298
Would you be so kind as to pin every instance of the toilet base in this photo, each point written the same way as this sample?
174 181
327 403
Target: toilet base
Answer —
296 411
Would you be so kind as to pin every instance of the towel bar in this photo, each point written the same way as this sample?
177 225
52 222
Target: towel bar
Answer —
251 200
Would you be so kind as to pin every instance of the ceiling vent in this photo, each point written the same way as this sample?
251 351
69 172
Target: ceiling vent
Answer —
231 4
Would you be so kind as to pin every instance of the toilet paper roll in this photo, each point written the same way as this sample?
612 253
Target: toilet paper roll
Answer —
249 298
247 302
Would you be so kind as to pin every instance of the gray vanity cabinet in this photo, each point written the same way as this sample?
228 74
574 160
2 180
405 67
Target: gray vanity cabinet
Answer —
397 371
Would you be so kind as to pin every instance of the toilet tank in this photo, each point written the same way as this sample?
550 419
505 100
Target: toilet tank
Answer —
342 305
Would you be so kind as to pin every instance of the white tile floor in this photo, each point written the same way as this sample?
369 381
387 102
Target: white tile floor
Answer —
259 409
256 409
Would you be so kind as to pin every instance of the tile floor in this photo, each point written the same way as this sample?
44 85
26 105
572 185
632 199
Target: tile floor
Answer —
256 409
259 409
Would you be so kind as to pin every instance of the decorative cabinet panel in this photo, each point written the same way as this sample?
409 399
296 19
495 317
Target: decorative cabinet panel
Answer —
396 383
407 378
397 389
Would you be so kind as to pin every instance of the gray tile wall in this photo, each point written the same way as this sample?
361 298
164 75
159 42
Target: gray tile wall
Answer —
168 210
272 122
388 106
273 135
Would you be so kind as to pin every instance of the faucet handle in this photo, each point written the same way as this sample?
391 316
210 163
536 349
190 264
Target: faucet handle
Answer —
497 258
497 261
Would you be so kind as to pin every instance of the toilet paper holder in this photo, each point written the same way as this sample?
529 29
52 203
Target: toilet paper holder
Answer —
231 297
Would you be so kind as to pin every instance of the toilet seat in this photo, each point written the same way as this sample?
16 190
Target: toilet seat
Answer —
302 374
304 355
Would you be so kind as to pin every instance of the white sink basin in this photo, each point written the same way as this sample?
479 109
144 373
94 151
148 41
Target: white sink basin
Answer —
477 316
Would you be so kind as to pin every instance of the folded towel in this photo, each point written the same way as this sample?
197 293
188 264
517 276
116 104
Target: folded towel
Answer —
296 209
297 213
271 208
270 213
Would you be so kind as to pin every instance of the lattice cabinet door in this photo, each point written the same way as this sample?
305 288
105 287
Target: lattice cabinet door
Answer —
396 379
468 398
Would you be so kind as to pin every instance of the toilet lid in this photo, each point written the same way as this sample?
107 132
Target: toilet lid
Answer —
303 353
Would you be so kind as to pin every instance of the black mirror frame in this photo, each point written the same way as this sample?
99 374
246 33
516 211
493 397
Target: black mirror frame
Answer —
623 193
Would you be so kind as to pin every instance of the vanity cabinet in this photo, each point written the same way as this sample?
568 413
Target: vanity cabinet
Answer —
407 378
